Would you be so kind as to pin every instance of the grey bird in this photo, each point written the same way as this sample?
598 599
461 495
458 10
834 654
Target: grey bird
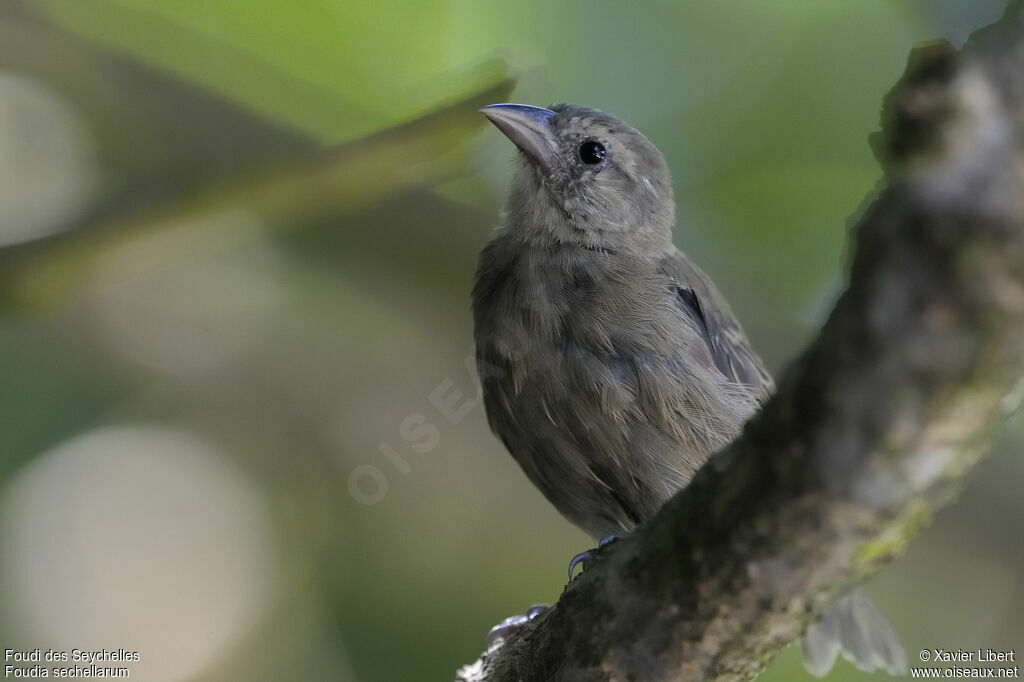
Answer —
611 366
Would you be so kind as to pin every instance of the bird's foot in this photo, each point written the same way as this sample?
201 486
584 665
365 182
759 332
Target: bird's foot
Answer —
511 625
584 558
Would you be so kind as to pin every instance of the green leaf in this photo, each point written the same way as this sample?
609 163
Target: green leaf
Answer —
331 69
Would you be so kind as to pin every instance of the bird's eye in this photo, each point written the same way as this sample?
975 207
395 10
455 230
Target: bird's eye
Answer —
592 152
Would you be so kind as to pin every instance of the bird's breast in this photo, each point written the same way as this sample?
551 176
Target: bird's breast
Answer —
579 334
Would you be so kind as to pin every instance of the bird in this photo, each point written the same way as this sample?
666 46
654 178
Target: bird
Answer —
611 366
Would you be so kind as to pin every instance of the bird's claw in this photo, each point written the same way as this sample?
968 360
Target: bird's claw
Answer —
583 558
536 610
511 625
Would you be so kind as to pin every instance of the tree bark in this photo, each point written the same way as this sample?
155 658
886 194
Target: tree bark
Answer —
872 429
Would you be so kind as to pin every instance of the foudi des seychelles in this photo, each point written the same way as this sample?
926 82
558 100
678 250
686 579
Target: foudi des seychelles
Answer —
527 342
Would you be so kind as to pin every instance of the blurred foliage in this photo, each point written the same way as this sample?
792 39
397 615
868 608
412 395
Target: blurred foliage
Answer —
249 229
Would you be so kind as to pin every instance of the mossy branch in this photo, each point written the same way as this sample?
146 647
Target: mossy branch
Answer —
872 429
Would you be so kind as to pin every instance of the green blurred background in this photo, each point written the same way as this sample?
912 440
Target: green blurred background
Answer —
238 432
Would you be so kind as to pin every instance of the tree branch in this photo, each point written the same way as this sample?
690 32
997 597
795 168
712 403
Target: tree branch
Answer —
872 428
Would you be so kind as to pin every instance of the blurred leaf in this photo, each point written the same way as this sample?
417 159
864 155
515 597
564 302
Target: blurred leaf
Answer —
155 135
330 182
46 397
331 69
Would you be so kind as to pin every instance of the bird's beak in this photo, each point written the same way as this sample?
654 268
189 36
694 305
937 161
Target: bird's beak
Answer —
530 128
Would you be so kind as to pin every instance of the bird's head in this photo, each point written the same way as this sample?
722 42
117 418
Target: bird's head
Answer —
586 177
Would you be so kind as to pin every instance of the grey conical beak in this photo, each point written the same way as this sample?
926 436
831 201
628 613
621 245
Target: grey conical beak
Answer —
530 128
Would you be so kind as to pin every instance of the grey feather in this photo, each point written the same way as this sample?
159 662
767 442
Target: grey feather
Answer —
726 341
821 644
854 628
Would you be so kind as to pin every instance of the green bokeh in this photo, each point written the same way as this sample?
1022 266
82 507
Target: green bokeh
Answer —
325 159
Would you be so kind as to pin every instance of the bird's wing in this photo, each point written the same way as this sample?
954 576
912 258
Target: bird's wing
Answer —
722 333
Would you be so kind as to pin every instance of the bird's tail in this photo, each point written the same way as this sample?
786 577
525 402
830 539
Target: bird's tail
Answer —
855 628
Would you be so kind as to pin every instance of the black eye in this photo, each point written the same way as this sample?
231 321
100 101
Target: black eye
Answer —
592 152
